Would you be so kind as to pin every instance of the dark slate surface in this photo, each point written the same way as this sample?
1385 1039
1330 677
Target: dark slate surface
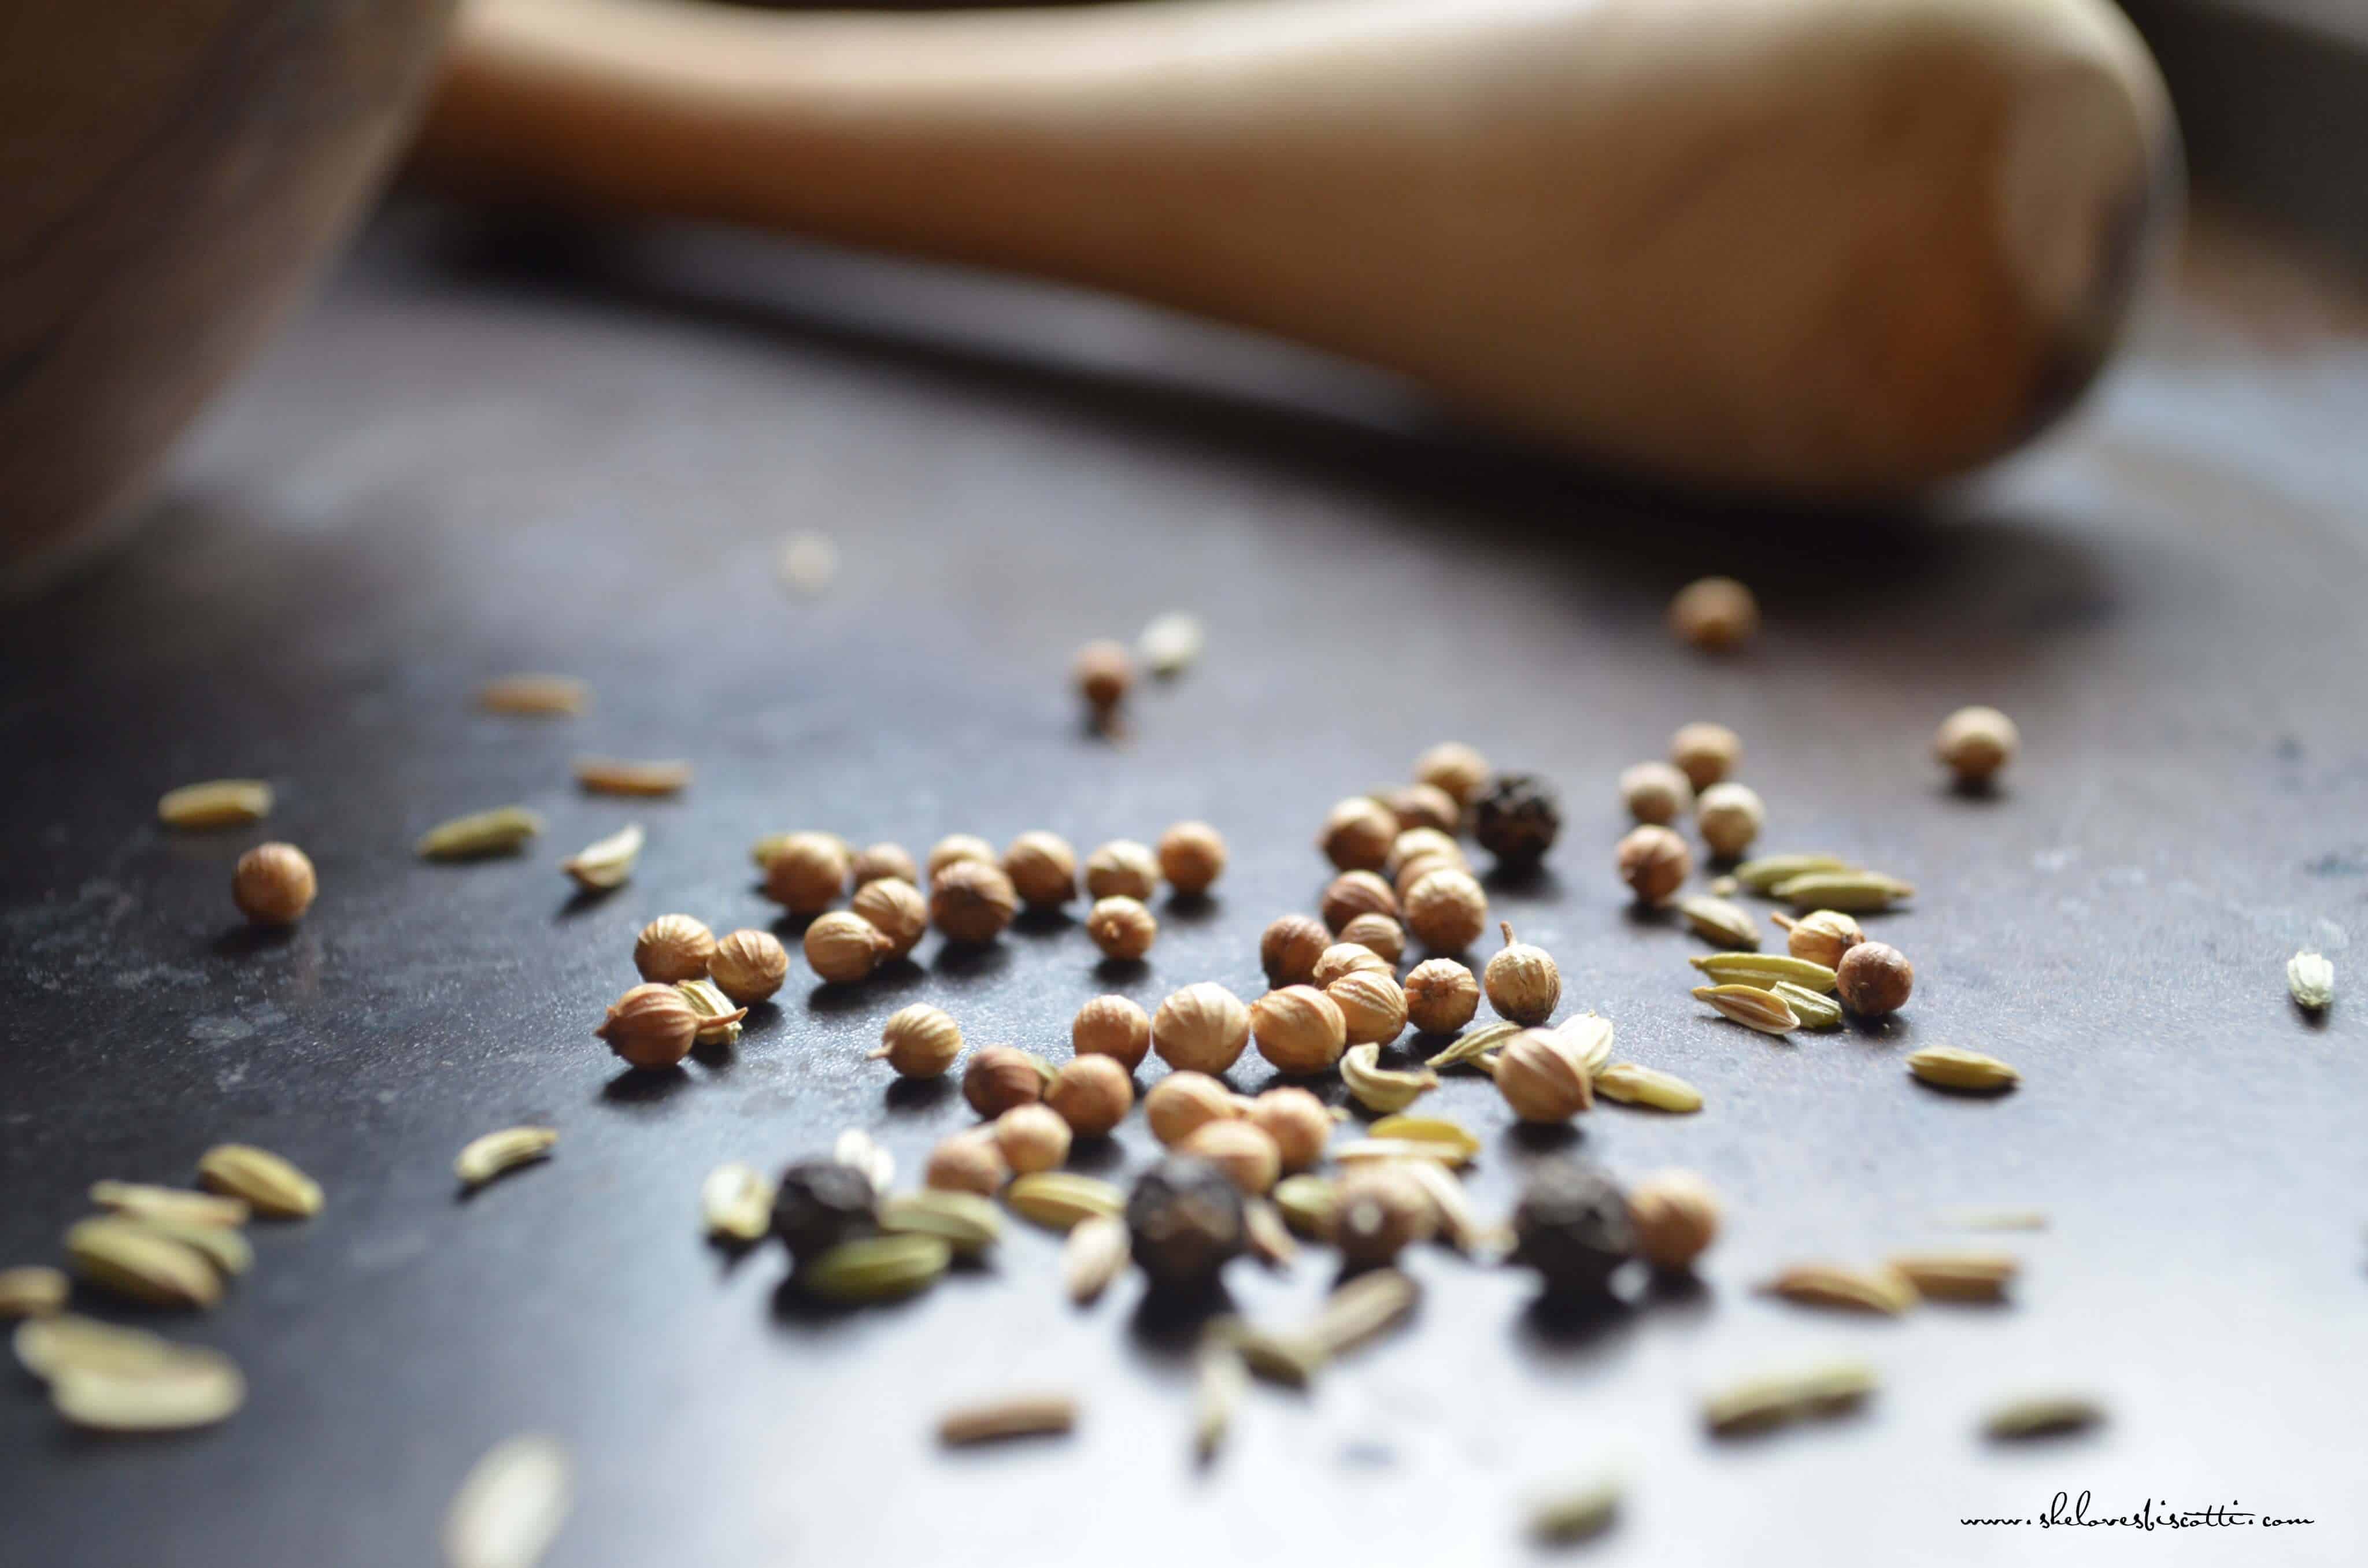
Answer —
471 459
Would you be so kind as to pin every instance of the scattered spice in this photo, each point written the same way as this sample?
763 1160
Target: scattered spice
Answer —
1092 1094
1881 1289
1352 893
1676 1217
1185 1217
1289 947
1182 1103
1299 1123
674 948
2041 1415
616 776
265 1182
896 910
1093 1257
1378 1211
651 1025
1042 870
968 1161
1826 1389
143 1202
1572 1226
217 802
1018 1415
1874 979
1716 615
1654 862
1032 1138
1975 742
1170 644
878 860
735 1204
878 1268
1307 1204
1729 816
1123 928
1103 674
1344 959
125 1258
496 1153
1191 856
919 1042
1959 1276
1845 891
1767 970
1717 921
1813 1010
535 696
956 847
1634 1084
806 872
1220 1378
192 1387
1241 1149
854 1147
608 862
1001 1077
1454 768
1122 869
510 1507
1379 1088
1112 1027
1472 1046
1201 1029
1358 834
1655 792
1360 1309
748 965
1521 980
1443 1139
1950 1067
1058 1199
1421 806
719 1020
819 1205
1517 818
842 948
504 830
1543 1078
1299 1029
273 884
1751 1007
972 901
2310 977
1822 936
32 1290
1447 910
1705 752
1372 1007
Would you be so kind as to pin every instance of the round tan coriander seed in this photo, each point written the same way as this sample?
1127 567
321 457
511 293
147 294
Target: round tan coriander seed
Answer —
1043 868
1092 1094
1358 834
1454 767
749 965
843 948
1102 673
1191 856
1657 793
1122 869
1822 936
1521 980
650 1026
1729 816
968 1161
1182 1103
972 901
1541 1078
1032 1138
1714 614
1300 1029
673 948
1372 1007
956 847
1675 1215
1380 935
1874 979
897 909
1378 1213
1239 1148
1352 893
1349 958
1705 752
1422 805
273 884
880 860
1447 910
1201 1029
999 1077
1654 862
1975 742
1289 949
1442 996
807 873
1297 1121
919 1042
1121 927
1112 1027
1421 844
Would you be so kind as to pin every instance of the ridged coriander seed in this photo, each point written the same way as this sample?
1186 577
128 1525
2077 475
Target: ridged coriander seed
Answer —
843 948
972 901
1201 1029
1191 856
1541 1078
1447 910
1372 1006
1822 936
896 910
968 1161
749 965
883 860
1032 1138
1123 928
1975 742
1729 816
1241 1149
1122 869
806 872
650 1026
1454 768
1441 996
674 948
1874 979
1289 949
1654 862
999 1077
1299 1029
1358 834
1352 893
1655 792
956 847
1112 1027
1422 805
1522 982
1092 1094
1705 752
273 884
919 1042
1181 1103
1344 959
1043 868
1299 1123
1378 933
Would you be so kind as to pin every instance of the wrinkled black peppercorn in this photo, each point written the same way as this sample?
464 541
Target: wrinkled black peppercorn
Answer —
1185 1216
821 1203
1517 818
1572 1226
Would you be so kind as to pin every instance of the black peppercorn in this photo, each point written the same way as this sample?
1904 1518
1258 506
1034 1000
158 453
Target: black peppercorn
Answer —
1572 1226
1517 818
821 1203
1185 1216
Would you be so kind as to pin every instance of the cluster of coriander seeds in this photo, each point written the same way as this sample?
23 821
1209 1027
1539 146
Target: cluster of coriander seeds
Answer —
696 988
1697 777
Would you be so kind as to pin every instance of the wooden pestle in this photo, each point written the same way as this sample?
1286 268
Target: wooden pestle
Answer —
1831 248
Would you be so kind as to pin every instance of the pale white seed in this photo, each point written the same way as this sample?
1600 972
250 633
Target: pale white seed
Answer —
497 1153
190 1387
735 1203
217 802
1095 1254
269 1183
606 863
510 1505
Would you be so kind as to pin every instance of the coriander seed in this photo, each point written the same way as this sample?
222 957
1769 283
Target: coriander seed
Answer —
1112 1027
1092 1094
1345 958
674 948
1522 982
1822 936
1874 979
956 847
1655 792
968 1161
1446 911
999 1077
1409 873
1543 1078
1572 1226
1975 742
1422 805
1358 834
1239 1148
1299 1029
1705 752
650 1026
1352 893
1043 868
273 884
806 872
1289 949
880 860
1424 842
843 948
1654 862
1372 1007
1297 1121
1377 1212
1517 818
1378 934
749 965
1716 615
1442 996
1121 927
1675 1216
1032 1138
1102 673
1729 816
1186 1220
817 1204
1454 768
1191 856
1122 869
896 910
919 1042
972 901
1201 1029
1184 1101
